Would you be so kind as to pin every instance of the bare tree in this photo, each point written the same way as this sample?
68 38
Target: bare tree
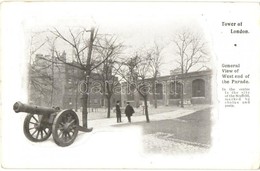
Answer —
191 50
39 79
35 44
138 69
82 42
155 62
47 67
51 47
108 49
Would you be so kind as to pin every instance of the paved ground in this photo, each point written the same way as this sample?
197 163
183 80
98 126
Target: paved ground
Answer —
101 113
182 130
154 115
187 134
110 145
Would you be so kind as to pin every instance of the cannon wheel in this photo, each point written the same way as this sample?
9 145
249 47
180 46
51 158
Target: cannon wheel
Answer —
35 129
65 128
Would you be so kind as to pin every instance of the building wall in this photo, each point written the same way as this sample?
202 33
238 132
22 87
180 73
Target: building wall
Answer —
66 90
66 86
165 95
206 77
40 71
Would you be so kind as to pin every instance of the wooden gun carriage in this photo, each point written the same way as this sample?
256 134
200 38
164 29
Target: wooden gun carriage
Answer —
41 122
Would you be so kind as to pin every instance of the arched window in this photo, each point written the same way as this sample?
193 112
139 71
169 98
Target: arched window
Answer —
198 88
159 91
175 90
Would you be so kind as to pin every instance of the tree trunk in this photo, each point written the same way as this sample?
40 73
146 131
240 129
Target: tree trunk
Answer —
85 110
76 99
108 97
108 105
85 95
52 77
146 109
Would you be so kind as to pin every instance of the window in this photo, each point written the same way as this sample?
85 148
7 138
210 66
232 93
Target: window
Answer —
198 88
159 91
175 90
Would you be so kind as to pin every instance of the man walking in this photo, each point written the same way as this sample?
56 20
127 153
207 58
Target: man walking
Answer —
118 112
129 111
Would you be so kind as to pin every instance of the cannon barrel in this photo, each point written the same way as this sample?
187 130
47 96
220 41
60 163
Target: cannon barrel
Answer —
33 109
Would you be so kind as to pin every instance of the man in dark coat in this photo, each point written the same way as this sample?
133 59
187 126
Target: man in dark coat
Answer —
118 112
129 111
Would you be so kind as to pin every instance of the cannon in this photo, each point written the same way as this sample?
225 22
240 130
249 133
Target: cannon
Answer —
41 122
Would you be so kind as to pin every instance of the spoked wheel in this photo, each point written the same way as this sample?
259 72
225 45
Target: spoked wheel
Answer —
35 128
65 128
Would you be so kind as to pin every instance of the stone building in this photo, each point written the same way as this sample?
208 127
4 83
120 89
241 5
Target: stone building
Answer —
196 87
46 81
59 84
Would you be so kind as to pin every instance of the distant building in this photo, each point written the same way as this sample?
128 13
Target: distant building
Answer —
42 89
61 85
196 87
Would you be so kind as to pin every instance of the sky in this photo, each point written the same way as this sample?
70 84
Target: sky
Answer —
137 25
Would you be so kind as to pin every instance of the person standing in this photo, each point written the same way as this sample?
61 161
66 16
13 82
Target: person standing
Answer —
129 110
118 112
